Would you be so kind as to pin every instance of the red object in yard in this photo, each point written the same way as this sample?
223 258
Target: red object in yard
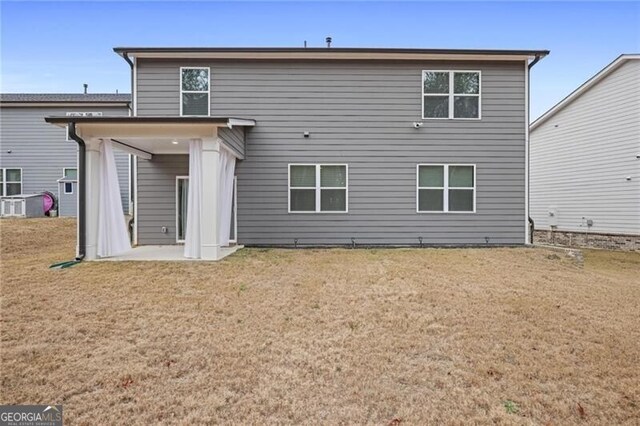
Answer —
48 201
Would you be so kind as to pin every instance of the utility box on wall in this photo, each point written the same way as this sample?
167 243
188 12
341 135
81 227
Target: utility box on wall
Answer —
553 216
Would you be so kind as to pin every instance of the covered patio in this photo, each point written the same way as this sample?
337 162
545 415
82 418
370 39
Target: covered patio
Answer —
213 145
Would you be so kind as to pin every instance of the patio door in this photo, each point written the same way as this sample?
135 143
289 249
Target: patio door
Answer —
182 197
182 193
233 234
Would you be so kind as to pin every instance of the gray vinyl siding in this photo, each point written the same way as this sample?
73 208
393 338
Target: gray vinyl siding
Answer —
581 158
234 139
359 113
157 197
42 151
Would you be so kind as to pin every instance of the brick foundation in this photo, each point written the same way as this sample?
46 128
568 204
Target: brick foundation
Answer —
587 240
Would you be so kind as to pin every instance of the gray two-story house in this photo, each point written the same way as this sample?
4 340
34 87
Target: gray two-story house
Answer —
36 157
317 147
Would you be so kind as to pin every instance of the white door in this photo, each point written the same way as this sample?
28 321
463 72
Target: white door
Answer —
19 207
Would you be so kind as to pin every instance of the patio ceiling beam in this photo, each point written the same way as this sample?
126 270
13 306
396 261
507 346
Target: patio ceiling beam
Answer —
132 150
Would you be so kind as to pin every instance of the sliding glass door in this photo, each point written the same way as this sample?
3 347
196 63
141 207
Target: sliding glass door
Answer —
182 197
182 193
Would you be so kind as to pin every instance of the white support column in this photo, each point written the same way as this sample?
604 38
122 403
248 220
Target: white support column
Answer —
93 197
210 246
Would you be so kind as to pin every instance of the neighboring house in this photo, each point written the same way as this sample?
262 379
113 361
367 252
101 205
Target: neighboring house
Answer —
585 162
37 157
334 147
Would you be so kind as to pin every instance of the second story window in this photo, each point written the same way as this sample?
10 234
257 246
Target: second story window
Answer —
451 94
194 91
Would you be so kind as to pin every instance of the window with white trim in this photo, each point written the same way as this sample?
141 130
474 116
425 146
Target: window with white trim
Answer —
70 173
451 94
446 188
11 181
318 188
68 187
194 91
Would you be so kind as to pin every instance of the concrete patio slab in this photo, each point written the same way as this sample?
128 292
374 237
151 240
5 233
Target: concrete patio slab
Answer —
164 253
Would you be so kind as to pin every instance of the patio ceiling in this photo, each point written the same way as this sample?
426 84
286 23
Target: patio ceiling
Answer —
150 135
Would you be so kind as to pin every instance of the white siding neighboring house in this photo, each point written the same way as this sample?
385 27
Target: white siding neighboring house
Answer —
585 162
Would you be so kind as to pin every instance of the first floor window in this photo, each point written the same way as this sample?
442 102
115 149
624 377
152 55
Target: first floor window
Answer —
318 188
70 173
194 91
11 181
446 188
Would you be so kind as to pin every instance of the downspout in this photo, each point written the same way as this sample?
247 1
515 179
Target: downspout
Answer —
531 223
132 187
82 197
126 57
82 194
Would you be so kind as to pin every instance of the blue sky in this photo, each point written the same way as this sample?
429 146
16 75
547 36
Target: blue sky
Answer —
57 46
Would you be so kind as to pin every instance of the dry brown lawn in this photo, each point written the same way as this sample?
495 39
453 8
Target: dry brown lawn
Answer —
507 336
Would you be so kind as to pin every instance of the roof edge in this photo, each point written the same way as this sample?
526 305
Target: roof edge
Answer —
23 98
584 87
238 121
321 52
131 49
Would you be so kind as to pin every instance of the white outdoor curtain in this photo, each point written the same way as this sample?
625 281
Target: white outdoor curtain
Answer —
194 203
113 238
225 200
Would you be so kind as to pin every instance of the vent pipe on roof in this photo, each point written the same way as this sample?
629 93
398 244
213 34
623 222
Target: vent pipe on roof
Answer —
305 44
86 88
328 40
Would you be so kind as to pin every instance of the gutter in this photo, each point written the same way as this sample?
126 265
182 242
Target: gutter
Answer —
82 194
125 50
536 60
